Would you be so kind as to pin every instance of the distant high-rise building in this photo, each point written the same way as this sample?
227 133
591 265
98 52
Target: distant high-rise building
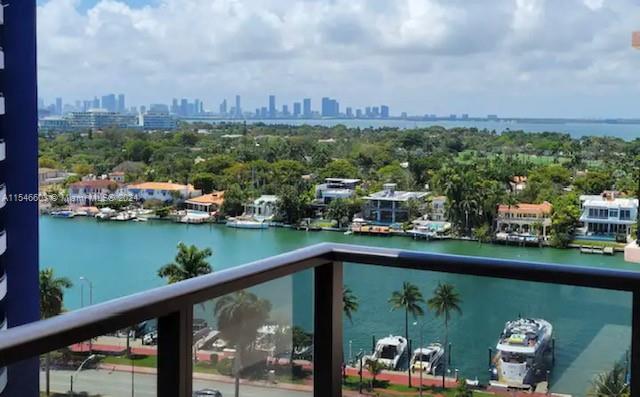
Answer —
143 109
272 106
263 112
223 107
452 116
349 112
96 103
196 106
58 106
285 110
158 108
367 111
359 113
384 111
330 107
86 105
375 111
238 112
121 107
109 102
133 110
465 116
257 112
174 106
184 107
297 109
40 103
306 107
78 106
404 115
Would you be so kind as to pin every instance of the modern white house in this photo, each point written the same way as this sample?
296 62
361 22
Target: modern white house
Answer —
607 215
163 191
264 207
335 188
390 205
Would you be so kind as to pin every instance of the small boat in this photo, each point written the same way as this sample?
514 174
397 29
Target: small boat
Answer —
81 213
63 214
250 223
124 216
427 359
520 361
105 214
140 220
389 351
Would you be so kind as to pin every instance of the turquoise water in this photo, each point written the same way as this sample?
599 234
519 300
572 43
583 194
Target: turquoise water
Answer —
575 129
592 327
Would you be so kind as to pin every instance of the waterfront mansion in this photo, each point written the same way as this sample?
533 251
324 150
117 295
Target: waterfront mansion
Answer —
607 215
390 205
523 218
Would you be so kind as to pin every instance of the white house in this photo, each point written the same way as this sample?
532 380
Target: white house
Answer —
390 205
91 191
438 211
335 188
163 191
608 215
263 207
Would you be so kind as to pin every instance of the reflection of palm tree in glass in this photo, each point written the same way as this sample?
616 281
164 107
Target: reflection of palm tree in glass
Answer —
349 303
611 384
240 315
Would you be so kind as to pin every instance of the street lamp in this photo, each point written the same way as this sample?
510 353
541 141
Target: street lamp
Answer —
415 323
75 374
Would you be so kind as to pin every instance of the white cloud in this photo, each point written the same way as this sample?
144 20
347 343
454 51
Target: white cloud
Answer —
506 56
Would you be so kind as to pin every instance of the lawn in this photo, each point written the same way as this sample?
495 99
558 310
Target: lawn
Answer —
386 389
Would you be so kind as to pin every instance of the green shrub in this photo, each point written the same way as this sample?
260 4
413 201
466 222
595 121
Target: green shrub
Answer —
225 366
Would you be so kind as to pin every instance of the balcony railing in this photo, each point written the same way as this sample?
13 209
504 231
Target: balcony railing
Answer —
173 306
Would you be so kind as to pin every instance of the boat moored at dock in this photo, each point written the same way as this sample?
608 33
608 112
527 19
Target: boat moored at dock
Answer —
247 223
427 359
522 357
389 351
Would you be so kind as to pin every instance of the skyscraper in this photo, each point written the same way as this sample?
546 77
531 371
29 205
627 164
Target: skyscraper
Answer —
297 109
306 108
174 106
349 112
184 107
19 303
109 102
58 106
272 107
121 107
223 107
238 107
384 111
285 110
330 107
96 103
196 106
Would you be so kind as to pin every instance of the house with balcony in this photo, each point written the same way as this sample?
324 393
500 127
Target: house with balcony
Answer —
209 203
163 191
524 219
264 207
607 215
335 188
50 176
437 209
92 191
390 205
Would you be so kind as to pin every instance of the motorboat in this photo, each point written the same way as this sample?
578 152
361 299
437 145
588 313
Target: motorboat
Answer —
427 359
522 353
105 214
246 223
124 216
389 351
63 214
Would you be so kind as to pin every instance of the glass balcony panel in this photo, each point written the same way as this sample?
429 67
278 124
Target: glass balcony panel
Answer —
591 333
271 325
123 363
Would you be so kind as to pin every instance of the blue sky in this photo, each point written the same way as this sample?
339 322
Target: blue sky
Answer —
544 58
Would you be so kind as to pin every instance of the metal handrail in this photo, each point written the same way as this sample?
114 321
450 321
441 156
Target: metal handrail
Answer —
173 304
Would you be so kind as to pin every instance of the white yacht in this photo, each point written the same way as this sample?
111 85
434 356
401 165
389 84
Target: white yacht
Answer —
427 359
389 351
520 359
246 223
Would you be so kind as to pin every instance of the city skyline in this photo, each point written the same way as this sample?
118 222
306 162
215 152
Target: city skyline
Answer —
570 58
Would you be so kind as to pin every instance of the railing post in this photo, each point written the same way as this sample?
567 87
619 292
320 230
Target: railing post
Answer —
327 339
175 343
635 344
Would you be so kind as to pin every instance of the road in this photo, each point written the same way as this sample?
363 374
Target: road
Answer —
118 384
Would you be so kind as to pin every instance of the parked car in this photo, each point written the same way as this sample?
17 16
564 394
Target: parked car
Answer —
150 339
207 392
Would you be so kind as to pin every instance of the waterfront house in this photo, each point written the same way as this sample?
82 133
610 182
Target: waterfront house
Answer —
263 207
390 205
50 176
163 191
437 210
607 215
524 218
117 176
91 191
335 188
208 203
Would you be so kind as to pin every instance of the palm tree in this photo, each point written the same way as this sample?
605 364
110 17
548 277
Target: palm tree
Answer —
374 367
444 301
611 384
240 315
51 300
409 299
189 262
349 303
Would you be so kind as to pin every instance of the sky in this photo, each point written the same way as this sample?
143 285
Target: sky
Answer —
527 58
